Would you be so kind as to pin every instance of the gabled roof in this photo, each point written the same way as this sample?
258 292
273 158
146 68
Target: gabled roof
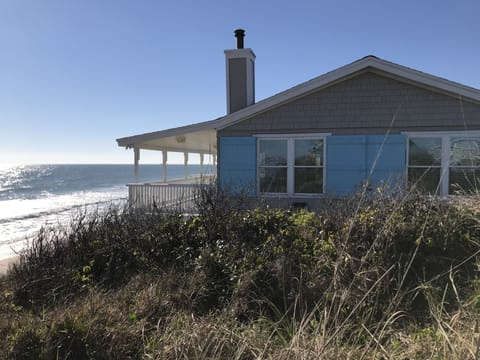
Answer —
368 62
201 137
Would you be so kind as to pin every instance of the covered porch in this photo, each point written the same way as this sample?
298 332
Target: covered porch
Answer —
198 140
177 194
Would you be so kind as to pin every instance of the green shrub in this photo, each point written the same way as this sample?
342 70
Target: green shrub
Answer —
355 266
100 249
420 238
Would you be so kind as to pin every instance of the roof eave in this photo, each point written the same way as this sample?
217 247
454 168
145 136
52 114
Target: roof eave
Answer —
131 141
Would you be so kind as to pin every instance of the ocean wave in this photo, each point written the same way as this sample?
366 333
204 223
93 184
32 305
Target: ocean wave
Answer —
9 187
59 210
17 229
23 217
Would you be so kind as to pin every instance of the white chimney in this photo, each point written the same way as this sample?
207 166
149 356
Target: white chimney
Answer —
240 75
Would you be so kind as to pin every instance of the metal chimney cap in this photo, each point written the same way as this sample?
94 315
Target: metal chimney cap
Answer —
239 34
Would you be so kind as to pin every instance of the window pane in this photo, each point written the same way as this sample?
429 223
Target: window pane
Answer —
425 179
425 151
465 151
309 152
309 180
273 152
273 180
464 181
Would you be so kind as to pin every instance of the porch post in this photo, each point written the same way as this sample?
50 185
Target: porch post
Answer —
136 159
201 163
164 164
185 163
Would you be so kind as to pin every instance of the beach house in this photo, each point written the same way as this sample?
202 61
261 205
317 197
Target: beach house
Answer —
368 122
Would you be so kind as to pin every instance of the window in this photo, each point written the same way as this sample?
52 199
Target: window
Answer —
293 165
444 164
464 170
308 168
273 166
425 163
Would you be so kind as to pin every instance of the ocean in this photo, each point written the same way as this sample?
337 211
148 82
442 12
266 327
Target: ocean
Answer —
32 196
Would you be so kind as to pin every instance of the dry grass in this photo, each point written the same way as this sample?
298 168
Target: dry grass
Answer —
372 278
139 321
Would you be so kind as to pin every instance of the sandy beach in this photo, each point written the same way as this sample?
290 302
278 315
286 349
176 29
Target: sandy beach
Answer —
5 263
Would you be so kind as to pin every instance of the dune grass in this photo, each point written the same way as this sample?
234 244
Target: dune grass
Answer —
378 277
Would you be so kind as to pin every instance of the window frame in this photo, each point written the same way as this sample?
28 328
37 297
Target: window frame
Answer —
445 136
290 139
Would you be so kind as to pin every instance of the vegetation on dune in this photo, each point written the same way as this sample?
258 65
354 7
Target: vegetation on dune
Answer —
370 277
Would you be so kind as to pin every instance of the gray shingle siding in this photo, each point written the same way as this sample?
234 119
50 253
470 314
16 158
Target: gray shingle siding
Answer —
365 103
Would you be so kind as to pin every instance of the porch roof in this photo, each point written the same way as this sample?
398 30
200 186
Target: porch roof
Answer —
195 138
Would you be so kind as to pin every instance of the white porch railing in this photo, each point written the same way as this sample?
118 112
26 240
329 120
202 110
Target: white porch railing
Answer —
176 194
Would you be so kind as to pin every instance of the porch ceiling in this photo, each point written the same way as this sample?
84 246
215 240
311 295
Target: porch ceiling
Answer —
197 138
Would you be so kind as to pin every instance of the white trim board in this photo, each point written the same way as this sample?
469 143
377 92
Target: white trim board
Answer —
466 133
292 136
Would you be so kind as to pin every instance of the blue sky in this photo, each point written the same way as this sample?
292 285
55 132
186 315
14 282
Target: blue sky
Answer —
77 74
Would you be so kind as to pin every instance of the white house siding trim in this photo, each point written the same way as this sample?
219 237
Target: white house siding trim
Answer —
433 133
292 135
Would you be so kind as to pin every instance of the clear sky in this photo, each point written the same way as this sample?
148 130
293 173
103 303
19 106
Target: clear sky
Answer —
77 74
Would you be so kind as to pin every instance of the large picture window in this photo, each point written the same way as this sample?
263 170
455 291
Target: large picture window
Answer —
444 164
291 165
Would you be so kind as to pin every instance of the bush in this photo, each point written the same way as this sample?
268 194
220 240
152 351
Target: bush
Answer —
362 261
420 239
100 249
350 270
